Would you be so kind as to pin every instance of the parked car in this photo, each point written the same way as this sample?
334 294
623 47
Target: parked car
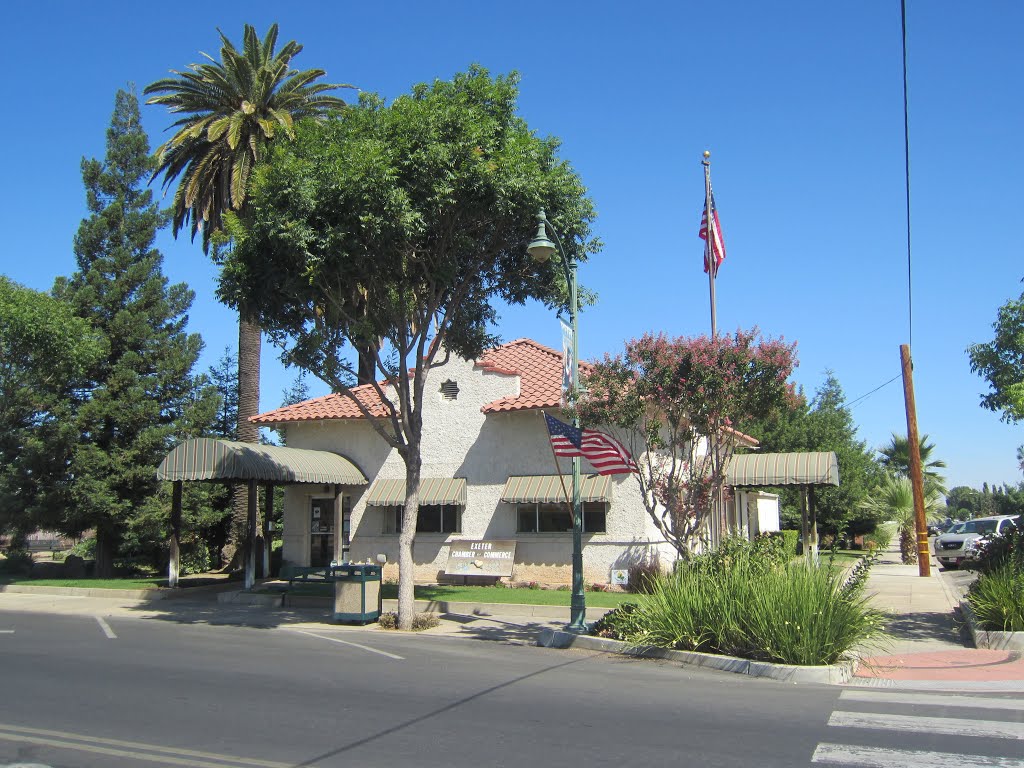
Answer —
974 549
952 549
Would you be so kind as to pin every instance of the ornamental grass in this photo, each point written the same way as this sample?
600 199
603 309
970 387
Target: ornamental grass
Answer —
748 605
997 598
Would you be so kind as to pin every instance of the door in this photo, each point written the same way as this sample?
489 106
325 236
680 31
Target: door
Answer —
321 532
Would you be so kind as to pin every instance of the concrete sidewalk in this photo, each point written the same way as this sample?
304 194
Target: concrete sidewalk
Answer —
930 647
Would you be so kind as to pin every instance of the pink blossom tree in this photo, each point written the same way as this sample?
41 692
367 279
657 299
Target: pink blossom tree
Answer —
674 404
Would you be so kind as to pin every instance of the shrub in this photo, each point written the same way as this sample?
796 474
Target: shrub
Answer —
751 600
420 621
790 540
620 623
880 538
16 562
85 549
997 598
643 576
1000 551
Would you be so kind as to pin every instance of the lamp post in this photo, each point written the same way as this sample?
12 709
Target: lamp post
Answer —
541 249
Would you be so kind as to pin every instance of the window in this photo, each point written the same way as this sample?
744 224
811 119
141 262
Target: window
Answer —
555 518
432 518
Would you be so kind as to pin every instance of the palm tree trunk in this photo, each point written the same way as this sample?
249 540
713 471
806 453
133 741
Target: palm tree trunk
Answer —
249 339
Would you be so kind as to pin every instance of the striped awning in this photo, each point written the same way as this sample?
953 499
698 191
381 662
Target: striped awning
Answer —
209 459
818 468
390 492
549 488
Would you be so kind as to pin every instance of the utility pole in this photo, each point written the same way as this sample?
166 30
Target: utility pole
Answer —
916 476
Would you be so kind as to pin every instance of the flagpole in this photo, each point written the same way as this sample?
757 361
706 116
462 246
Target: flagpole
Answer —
709 251
710 263
558 469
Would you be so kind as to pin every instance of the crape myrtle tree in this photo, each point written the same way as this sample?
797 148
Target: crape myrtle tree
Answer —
667 398
393 228
230 112
45 351
140 396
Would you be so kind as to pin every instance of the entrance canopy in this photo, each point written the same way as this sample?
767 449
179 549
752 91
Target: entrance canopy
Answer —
209 459
768 469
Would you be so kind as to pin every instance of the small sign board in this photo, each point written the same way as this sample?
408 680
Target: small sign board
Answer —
620 577
481 558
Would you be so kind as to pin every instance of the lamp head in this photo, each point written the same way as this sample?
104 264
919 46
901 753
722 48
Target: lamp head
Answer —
541 248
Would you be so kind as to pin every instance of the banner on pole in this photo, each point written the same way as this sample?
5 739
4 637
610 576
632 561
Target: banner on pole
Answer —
567 382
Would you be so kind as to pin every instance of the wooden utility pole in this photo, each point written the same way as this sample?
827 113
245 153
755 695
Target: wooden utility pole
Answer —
916 476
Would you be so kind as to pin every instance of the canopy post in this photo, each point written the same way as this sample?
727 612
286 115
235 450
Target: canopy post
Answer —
175 543
268 535
812 528
250 538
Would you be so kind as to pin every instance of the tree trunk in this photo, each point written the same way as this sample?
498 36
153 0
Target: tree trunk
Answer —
406 575
248 405
367 366
105 546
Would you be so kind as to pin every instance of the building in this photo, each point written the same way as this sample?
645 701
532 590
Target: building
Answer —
488 474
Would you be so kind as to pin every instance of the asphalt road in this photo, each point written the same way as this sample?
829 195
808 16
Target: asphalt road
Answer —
87 692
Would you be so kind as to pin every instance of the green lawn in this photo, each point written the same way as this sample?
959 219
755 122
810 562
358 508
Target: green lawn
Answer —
150 583
460 594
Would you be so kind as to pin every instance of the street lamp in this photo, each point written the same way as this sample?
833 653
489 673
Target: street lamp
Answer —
540 250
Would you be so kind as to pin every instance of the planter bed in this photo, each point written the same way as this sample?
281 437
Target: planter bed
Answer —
997 641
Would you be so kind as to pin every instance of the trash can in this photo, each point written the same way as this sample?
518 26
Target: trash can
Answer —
356 593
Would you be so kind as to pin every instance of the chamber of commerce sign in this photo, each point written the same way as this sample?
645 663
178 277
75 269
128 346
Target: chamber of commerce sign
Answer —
481 558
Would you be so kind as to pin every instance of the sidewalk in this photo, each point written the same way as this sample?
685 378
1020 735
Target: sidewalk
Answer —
930 648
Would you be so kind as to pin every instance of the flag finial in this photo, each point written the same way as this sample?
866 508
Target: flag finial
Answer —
707 153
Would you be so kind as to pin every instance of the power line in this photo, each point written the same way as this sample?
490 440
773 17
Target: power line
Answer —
851 403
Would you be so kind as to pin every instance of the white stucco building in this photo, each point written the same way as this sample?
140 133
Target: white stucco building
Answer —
488 474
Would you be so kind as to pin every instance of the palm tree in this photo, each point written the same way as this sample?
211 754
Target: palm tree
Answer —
231 110
896 458
893 501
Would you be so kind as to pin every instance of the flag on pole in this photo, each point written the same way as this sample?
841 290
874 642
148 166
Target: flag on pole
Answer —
716 245
605 453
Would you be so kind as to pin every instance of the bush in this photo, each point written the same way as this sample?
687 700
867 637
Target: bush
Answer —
1000 551
643 576
85 549
790 540
880 538
420 621
997 598
16 562
620 623
751 600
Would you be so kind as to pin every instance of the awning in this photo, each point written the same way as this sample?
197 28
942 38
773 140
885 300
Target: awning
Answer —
390 492
549 489
209 459
768 469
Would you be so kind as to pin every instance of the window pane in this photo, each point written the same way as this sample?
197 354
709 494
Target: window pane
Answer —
450 519
594 516
554 518
392 519
429 519
527 518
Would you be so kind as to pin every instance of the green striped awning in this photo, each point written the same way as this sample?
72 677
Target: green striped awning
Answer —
390 492
209 459
549 489
819 468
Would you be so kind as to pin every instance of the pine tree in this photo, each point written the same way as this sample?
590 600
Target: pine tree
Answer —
142 397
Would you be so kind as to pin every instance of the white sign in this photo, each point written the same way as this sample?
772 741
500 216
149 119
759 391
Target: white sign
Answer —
620 577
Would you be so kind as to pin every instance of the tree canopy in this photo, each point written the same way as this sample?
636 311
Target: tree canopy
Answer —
140 396
1001 362
45 352
674 402
393 229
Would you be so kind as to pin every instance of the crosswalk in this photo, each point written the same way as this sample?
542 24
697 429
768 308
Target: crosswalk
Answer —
866 722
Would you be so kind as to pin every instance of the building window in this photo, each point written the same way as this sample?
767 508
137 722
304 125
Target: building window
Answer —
432 518
555 518
449 390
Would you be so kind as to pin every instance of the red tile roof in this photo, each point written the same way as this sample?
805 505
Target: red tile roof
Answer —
539 369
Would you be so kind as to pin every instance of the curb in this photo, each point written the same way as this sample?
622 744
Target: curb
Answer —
835 674
144 595
996 641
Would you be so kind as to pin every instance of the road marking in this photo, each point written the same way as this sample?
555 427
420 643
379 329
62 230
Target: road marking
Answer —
106 628
6 631
345 642
876 757
131 749
933 699
991 729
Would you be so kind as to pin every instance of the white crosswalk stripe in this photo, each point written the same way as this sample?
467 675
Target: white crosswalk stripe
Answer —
849 723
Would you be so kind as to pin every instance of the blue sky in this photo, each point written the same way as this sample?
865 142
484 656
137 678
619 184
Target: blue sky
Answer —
800 104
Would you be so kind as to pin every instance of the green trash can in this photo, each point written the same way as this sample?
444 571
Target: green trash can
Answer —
357 597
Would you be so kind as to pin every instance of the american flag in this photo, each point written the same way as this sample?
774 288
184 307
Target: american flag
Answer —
717 244
607 455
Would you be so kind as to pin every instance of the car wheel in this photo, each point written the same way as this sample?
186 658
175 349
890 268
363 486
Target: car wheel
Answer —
949 566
